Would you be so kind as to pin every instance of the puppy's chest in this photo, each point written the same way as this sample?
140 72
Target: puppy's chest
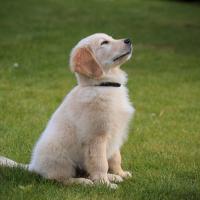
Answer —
120 115
122 112
116 110
104 109
117 103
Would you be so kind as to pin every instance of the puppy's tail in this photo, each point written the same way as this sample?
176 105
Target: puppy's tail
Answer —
10 163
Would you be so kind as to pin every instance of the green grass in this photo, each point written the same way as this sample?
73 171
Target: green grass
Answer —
163 150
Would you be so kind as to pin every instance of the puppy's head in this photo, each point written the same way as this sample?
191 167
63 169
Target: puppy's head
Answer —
95 55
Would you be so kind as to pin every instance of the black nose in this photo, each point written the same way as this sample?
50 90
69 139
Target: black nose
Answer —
127 41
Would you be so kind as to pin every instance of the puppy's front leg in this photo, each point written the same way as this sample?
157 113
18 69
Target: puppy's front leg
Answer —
115 166
96 162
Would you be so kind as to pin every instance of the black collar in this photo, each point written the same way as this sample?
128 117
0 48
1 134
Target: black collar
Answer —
109 84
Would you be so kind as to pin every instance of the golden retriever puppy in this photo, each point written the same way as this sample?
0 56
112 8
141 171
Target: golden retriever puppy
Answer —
91 124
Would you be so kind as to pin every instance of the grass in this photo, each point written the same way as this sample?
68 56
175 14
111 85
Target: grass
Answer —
163 149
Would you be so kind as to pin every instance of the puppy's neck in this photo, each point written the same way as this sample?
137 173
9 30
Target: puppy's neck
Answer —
113 75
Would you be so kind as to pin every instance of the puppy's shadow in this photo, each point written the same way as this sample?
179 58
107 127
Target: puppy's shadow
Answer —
21 176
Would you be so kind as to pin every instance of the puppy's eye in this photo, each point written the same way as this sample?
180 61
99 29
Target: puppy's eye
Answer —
105 42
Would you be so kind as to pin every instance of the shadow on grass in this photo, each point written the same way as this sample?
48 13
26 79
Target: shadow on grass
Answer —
22 177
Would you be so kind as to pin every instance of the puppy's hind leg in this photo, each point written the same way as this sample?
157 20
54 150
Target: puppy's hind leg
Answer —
66 175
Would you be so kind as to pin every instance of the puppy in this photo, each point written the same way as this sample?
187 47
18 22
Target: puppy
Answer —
91 124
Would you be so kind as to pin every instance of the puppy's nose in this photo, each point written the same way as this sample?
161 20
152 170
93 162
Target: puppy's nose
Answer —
127 41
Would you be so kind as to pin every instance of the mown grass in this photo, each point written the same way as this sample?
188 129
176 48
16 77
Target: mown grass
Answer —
163 150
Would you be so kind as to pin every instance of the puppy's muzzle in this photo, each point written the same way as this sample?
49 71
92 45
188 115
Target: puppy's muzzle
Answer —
129 44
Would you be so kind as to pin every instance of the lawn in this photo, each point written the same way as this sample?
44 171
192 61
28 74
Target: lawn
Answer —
163 149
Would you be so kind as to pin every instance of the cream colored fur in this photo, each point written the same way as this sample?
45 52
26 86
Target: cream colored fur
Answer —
90 126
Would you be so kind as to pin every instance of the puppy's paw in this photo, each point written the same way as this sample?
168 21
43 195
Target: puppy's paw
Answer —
100 178
125 174
115 178
86 181
113 186
103 179
83 181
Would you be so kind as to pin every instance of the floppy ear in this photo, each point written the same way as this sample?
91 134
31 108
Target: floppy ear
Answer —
85 63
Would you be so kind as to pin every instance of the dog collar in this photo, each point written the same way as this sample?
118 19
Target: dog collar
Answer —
109 84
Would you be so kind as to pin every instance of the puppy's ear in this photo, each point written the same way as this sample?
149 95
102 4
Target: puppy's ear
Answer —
85 63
